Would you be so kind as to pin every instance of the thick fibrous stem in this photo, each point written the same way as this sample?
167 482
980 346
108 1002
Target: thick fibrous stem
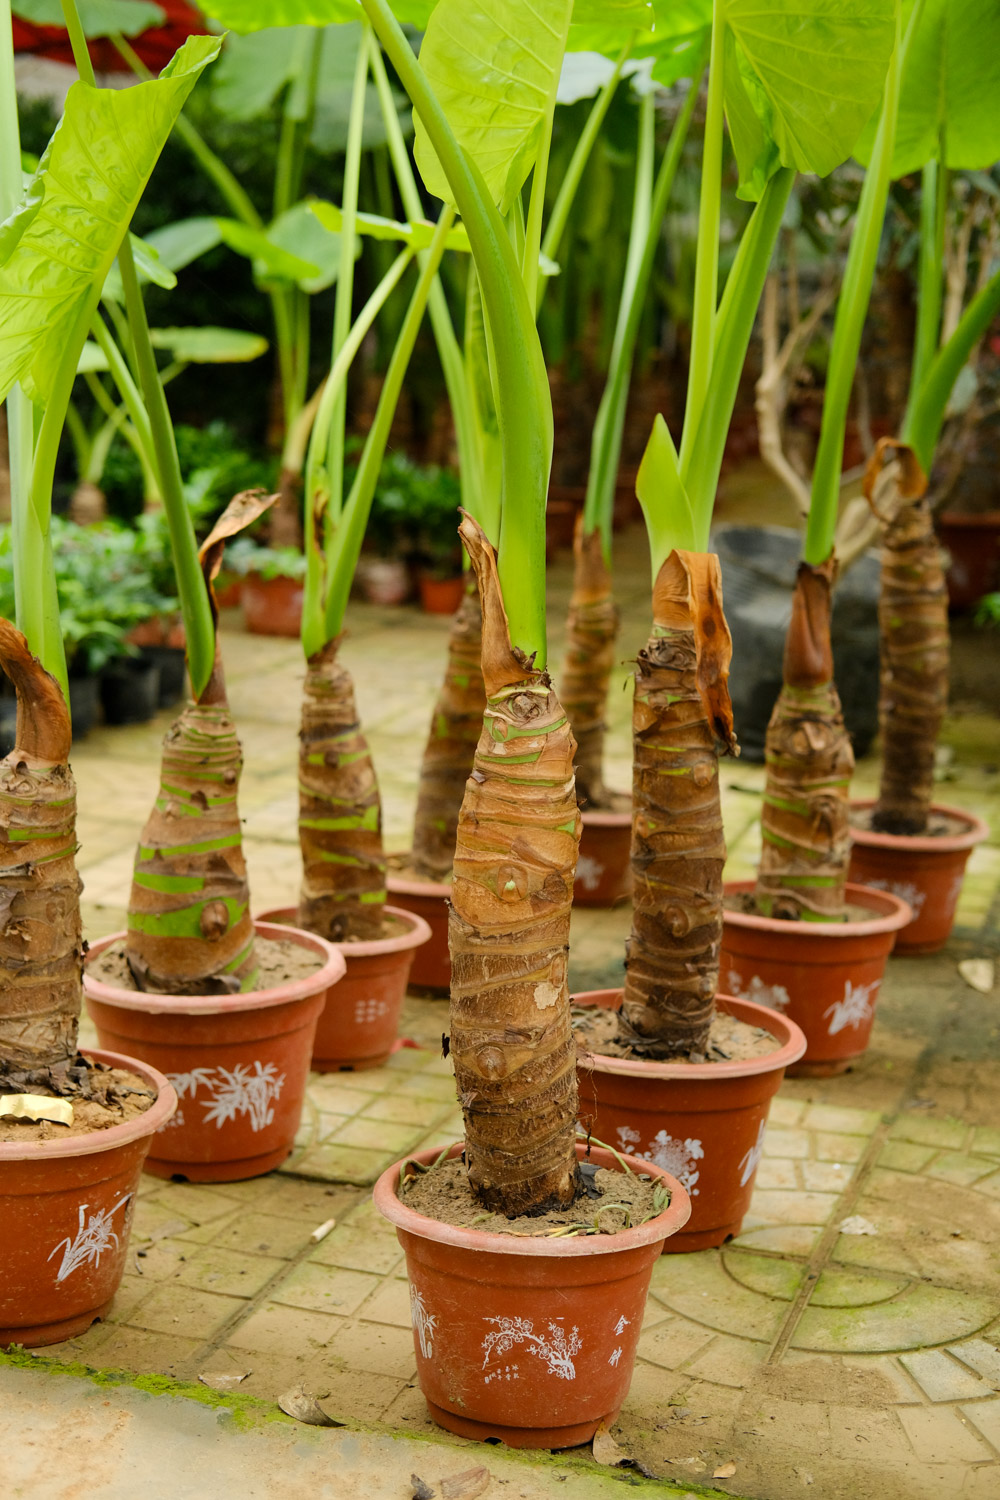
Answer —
518 835
340 815
591 631
41 945
680 717
806 838
913 640
189 925
285 526
451 744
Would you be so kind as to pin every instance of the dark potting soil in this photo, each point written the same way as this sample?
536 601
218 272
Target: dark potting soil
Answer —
443 1194
279 959
745 902
100 1096
939 825
601 1030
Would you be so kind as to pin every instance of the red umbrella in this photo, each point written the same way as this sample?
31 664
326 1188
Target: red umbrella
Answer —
156 46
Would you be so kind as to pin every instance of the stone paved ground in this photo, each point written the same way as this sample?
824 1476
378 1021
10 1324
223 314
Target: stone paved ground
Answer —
859 1366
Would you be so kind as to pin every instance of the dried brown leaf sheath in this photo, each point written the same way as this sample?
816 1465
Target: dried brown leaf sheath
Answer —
451 745
591 632
340 814
913 639
806 839
41 948
681 713
518 836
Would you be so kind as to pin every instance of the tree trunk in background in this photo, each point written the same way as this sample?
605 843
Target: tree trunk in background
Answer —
806 837
680 720
41 943
340 814
913 639
591 632
88 506
518 837
451 745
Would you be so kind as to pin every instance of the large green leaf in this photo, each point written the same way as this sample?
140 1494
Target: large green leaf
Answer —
209 345
300 233
57 248
494 65
271 262
257 15
98 17
178 244
951 88
812 71
148 267
677 42
419 234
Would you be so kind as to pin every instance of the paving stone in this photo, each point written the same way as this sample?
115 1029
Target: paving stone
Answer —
264 1234
904 1156
913 1125
840 1288
766 1274
938 1435
178 1310
776 1172
389 1304
214 1269
779 1207
280 1329
697 1287
829 1146
825 1176
378 1135
955 1166
986 1140
941 1378
901 1390
670 1344
407 1110
985 1417
429 1086
983 1357
378 1348
196 1203
990 1185
728 1361
827 1117
325 1289
139 1350
921 1316
785 1142
332 1094
785 1111
783 1239
343 1164
358 1250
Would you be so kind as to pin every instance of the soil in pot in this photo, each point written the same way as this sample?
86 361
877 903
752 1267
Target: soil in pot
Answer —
701 1118
239 1062
430 972
824 976
130 691
66 1201
925 870
528 1337
359 1021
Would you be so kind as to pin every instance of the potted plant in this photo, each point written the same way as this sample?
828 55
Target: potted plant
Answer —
273 581
517 840
68 1193
666 1032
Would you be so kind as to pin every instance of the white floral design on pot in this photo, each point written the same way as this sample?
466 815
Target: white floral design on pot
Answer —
589 872
555 1348
774 996
750 1161
669 1152
855 1009
424 1323
243 1090
94 1235
904 889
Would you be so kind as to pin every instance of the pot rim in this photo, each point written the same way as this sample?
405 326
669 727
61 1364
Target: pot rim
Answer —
151 1003
596 818
969 519
124 1134
419 932
895 914
923 843
406 885
673 1218
790 1037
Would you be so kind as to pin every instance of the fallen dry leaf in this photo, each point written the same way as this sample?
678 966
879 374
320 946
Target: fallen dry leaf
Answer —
224 1382
724 1471
606 1450
857 1225
978 973
421 1489
299 1404
467 1485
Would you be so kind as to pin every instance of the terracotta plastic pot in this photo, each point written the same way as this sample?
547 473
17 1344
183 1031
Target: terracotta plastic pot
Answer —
65 1214
359 1022
704 1122
974 544
528 1340
925 871
384 580
272 606
824 976
603 870
427 899
239 1063
441 596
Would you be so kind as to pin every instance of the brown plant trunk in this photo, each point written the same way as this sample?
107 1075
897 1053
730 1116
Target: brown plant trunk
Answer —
806 837
591 632
340 814
190 931
285 526
88 506
451 744
518 836
913 639
41 943
680 720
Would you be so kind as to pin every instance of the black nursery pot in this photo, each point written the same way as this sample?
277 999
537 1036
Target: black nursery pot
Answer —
171 663
758 578
130 690
84 696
